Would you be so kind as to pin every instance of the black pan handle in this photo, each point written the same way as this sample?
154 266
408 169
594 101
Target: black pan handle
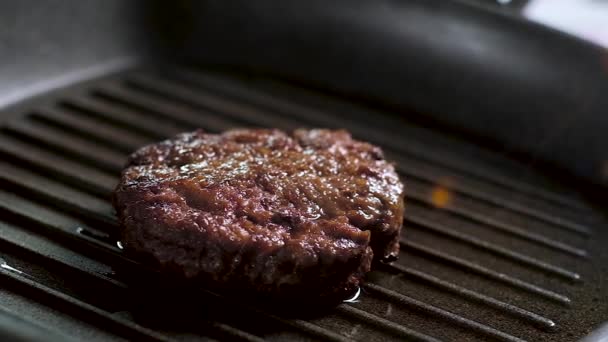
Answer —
522 85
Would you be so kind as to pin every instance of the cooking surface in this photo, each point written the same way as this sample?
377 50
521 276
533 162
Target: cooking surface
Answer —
490 249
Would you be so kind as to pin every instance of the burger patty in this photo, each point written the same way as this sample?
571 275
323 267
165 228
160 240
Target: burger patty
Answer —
262 210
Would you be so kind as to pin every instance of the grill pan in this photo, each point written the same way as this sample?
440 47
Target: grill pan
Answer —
492 249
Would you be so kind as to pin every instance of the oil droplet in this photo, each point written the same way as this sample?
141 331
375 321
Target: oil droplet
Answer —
355 298
389 310
119 245
441 196
8 267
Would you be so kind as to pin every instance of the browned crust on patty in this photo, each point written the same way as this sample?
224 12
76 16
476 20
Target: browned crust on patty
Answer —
262 210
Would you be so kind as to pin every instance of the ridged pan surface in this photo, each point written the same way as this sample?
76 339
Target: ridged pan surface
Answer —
491 249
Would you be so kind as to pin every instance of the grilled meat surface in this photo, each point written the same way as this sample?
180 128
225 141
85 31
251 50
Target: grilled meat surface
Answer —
262 210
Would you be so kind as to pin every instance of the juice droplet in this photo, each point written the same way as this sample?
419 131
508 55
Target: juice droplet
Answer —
355 298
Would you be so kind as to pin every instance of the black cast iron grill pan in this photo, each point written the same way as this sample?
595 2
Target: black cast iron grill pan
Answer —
492 250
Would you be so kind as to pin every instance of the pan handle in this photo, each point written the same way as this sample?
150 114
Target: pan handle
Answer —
525 87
